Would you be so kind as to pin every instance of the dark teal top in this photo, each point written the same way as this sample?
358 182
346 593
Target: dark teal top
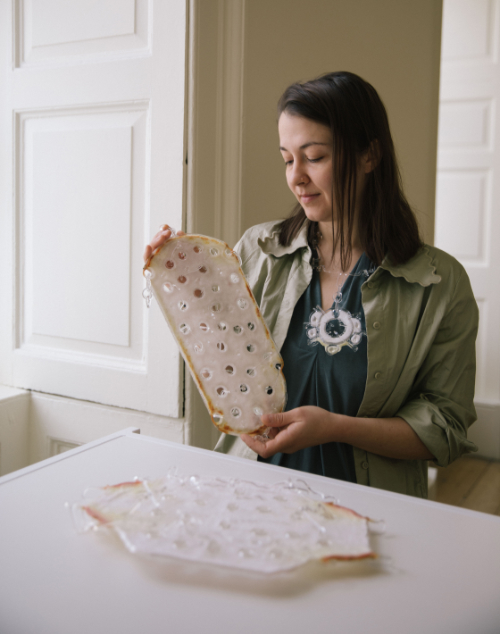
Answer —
325 364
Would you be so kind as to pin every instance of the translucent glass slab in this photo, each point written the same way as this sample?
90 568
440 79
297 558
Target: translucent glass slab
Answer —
207 303
259 527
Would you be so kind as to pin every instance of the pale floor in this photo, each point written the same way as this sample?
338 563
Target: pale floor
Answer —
471 483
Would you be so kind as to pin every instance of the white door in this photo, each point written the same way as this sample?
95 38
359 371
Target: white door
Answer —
468 184
91 162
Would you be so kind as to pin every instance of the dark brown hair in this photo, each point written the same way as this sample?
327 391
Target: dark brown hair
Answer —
351 108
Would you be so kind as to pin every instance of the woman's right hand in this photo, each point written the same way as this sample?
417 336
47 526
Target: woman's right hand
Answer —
164 234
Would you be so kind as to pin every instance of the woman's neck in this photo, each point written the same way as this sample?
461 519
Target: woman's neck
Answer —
325 245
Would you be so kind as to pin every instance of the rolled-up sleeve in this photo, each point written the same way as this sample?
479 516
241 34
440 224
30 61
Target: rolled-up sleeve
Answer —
440 408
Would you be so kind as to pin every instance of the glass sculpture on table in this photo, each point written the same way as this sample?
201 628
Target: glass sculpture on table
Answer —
229 522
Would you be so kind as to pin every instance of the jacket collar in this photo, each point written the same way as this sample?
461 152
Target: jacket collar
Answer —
269 241
418 270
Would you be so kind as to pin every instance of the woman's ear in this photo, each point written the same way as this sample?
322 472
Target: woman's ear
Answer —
371 158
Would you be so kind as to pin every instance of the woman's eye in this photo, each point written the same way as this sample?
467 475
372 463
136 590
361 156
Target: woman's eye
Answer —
315 160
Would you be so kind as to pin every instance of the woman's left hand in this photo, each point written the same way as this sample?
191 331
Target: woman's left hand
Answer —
164 234
297 429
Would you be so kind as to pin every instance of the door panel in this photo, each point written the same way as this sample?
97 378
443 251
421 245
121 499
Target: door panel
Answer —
468 184
60 31
96 117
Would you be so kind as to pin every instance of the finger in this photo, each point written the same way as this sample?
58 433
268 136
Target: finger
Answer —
150 248
163 235
266 448
271 433
148 252
277 420
160 238
267 434
164 227
263 449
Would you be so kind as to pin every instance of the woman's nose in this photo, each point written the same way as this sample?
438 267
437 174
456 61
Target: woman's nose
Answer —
298 175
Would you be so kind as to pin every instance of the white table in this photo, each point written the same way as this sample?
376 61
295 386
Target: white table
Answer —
439 570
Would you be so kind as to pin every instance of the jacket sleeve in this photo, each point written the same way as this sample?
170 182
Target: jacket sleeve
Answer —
441 404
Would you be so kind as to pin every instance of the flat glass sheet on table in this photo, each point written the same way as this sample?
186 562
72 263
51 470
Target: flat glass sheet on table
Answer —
229 522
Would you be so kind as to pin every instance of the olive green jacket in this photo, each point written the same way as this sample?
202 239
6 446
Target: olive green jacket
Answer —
421 325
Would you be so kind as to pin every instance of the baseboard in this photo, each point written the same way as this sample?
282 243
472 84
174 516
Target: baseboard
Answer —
486 430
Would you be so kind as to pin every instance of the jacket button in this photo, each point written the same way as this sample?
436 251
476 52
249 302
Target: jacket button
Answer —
364 464
377 375
376 325
370 284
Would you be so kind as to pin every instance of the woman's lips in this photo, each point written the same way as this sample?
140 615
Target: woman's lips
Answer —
307 198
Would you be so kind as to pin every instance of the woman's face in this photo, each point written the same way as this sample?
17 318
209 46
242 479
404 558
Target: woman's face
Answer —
307 149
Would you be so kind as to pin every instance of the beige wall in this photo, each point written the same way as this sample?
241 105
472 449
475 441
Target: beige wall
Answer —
393 44
243 54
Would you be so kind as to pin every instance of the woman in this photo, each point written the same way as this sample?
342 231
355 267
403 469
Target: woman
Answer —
377 331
